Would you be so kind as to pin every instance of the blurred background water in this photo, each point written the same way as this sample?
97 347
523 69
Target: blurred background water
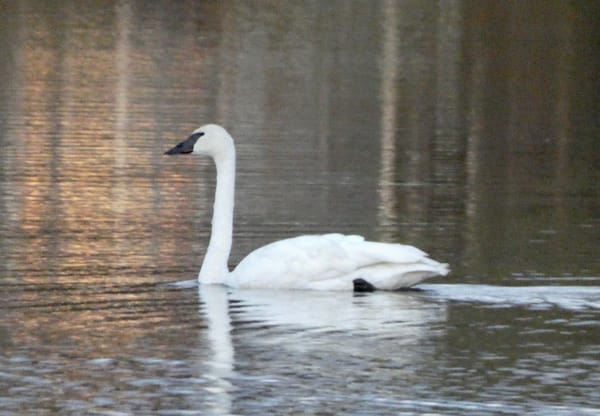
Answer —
467 128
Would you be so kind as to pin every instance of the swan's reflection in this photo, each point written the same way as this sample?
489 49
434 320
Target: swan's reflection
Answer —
380 324
375 325
373 313
220 366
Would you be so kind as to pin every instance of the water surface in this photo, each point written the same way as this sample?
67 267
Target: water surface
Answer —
468 129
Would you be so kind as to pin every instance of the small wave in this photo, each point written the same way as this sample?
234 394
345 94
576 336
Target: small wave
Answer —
573 298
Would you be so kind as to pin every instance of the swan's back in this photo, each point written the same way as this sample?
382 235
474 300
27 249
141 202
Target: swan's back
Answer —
333 262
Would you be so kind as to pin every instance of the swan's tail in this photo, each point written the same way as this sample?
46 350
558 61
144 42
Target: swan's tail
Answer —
402 276
442 269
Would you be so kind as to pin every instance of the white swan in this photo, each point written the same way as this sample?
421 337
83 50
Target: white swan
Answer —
321 262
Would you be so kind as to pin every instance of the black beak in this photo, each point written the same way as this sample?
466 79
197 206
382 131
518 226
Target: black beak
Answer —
186 146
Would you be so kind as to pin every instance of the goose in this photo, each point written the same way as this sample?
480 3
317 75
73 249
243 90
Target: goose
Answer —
316 262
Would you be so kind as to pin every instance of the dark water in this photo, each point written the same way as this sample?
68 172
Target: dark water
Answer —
469 129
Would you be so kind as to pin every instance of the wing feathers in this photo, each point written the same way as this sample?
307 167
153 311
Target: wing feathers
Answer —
331 261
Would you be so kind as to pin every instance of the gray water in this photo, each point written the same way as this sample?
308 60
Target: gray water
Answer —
468 129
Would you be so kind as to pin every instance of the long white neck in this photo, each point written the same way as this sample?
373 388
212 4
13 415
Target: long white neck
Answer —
214 267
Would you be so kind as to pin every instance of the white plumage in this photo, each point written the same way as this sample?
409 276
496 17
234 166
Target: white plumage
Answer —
319 262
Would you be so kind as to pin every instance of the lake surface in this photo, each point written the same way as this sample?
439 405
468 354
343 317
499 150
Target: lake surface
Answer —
468 129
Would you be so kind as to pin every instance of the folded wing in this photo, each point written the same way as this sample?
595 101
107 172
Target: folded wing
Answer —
333 261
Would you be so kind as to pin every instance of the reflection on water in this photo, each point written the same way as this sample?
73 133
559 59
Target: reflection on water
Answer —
468 129
478 348
402 316
221 363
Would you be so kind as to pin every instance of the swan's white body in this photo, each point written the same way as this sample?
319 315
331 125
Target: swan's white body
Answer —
320 262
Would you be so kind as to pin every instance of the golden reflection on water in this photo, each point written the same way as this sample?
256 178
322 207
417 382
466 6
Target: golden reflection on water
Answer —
85 195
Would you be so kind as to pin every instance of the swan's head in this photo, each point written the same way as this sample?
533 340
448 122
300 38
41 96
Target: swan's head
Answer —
208 140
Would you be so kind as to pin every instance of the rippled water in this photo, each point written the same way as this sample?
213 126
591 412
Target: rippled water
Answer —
469 129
